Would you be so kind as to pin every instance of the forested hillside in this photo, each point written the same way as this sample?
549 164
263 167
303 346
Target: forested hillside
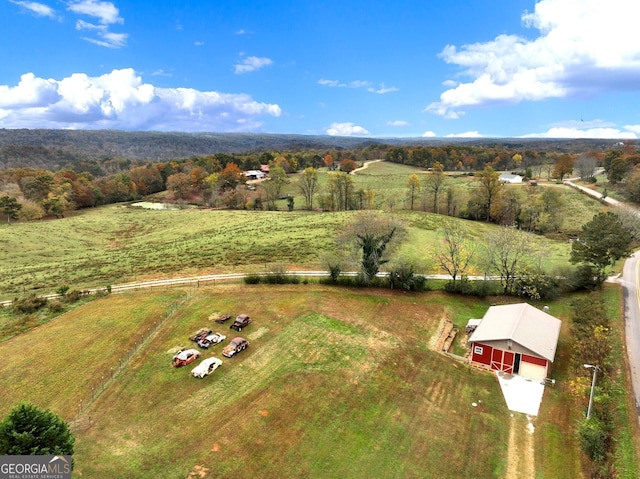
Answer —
57 149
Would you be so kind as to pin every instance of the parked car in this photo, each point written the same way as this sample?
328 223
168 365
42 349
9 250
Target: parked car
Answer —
241 321
184 357
206 367
235 346
211 339
201 333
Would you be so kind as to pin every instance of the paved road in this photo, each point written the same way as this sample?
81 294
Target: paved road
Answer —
630 282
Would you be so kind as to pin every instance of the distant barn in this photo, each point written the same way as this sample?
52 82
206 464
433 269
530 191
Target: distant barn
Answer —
254 175
510 178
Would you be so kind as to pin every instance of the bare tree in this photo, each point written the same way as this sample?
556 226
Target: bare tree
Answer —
340 188
413 187
586 166
435 184
490 188
308 185
508 252
455 253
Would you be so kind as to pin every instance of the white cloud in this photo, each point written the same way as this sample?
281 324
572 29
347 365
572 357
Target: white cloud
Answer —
599 133
82 25
120 100
346 129
331 83
198 44
251 64
338 84
106 12
466 134
109 39
397 123
429 134
161 73
39 9
358 84
29 92
583 48
382 90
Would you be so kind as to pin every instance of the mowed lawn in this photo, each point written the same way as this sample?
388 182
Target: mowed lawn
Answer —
335 383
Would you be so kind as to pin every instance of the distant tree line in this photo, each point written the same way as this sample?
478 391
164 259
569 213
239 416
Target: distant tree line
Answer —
216 180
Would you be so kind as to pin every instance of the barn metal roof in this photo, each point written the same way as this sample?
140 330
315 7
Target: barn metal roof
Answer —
523 324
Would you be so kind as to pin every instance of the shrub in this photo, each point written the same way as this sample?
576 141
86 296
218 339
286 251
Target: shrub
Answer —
62 290
29 305
482 289
593 439
31 211
536 285
404 277
252 279
583 277
334 272
461 286
55 306
72 296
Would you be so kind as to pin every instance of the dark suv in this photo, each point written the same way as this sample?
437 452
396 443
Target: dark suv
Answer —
241 321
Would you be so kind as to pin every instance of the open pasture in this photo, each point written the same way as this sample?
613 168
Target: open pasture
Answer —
117 244
335 383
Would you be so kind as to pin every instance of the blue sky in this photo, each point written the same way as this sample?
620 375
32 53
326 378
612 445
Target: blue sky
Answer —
480 68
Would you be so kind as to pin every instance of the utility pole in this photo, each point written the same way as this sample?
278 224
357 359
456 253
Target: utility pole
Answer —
593 386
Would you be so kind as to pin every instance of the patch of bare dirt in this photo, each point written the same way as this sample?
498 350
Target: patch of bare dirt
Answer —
198 472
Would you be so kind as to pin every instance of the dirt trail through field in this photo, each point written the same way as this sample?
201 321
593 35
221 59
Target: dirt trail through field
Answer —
364 166
520 460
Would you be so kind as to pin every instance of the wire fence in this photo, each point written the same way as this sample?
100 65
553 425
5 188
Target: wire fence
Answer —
81 419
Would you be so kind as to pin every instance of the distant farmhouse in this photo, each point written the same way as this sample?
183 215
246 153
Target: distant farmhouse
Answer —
510 178
254 175
516 339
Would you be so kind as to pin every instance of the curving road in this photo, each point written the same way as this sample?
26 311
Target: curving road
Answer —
630 282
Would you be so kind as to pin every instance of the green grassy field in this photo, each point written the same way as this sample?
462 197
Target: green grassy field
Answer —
116 244
389 180
335 383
